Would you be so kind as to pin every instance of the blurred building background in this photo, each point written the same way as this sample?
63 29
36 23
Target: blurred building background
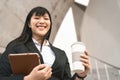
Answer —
94 22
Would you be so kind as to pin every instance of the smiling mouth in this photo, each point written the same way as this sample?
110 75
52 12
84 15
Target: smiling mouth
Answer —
41 26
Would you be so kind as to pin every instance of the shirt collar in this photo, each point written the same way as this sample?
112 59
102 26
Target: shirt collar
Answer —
47 43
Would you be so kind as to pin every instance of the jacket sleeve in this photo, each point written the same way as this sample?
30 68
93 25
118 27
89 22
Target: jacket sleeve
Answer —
5 69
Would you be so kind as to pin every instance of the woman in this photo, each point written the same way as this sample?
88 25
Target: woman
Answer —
35 39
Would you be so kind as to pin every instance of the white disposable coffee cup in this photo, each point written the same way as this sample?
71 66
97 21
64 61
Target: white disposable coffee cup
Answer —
77 49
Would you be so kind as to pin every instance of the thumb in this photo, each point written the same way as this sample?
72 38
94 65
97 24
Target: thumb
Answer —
39 67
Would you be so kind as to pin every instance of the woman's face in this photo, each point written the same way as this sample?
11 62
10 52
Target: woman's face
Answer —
39 25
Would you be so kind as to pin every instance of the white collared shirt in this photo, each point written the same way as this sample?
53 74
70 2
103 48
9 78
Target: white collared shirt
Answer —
47 54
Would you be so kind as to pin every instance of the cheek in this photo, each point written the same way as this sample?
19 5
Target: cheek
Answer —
49 24
32 22
49 27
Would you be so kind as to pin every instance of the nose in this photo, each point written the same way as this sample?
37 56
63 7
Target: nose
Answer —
41 20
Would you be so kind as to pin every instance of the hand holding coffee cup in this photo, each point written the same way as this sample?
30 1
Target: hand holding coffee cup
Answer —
77 49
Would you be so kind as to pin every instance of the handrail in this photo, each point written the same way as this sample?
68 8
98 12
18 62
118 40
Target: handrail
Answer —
118 68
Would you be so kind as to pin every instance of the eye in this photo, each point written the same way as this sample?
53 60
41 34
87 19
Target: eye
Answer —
46 18
36 17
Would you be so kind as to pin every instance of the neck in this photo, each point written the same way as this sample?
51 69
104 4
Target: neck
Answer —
39 40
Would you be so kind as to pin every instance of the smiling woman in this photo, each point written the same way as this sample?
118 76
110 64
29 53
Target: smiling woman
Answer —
35 39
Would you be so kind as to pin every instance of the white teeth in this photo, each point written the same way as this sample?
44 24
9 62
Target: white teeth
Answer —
40 26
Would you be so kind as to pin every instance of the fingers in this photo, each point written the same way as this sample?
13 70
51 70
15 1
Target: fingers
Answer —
85 59
86 52
42 72
39 67
48 72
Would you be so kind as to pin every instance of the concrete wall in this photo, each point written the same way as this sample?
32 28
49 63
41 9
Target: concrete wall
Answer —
101 29
78 13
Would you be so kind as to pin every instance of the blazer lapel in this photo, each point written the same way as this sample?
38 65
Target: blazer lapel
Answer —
57 57
32 48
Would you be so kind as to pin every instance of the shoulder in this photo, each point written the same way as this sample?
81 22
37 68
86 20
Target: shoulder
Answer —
58 50
11 48
13 44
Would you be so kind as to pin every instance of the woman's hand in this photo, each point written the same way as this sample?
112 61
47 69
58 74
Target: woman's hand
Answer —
84 58
40 72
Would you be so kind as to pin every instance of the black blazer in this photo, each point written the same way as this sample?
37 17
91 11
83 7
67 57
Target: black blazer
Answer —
61 68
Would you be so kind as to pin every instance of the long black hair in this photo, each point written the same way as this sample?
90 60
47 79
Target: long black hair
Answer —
26 34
